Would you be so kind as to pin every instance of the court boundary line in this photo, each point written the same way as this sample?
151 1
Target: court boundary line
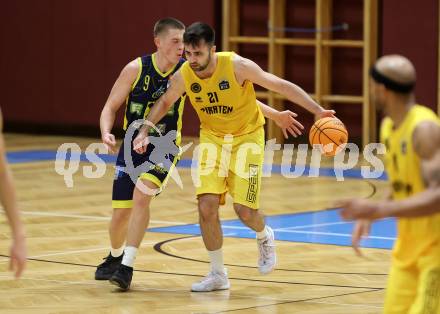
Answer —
158 248
89 217
195 275
297 301
60 253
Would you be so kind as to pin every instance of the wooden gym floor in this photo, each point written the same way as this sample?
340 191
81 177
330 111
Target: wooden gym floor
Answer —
67 238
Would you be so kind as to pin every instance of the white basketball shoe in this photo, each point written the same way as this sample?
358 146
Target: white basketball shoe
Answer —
268 256
212 282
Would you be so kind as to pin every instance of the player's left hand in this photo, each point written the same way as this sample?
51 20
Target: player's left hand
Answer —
140 143
18 256
361 229
288 124
360 209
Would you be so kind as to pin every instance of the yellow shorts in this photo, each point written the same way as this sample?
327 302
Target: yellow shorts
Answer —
415 289
231 164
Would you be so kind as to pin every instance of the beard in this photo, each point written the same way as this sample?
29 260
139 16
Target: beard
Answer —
377 103
199 67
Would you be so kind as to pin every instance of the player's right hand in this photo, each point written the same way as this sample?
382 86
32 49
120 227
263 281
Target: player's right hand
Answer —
361 229
110 142
325 113
140 143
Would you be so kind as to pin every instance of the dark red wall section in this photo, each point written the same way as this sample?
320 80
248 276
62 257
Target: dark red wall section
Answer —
410 28
59 59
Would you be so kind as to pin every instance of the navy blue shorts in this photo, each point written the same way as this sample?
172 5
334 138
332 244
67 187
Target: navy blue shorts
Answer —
154 165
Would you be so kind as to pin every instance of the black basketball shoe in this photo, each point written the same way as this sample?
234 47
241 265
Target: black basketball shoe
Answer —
122 277
105 270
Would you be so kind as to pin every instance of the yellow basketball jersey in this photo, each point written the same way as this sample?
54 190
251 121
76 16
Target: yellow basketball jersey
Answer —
223 106
403 166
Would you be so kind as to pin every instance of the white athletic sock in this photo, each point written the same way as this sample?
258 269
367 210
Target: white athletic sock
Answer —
216 258
129 256
263 233
117 252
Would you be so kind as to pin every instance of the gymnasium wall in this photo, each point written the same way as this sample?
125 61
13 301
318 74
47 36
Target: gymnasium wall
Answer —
59 59
411 28
405 27
300 60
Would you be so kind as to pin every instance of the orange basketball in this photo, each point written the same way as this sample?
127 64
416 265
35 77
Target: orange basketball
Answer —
327 131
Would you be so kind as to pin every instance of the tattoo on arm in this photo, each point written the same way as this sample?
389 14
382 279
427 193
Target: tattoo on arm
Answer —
431 170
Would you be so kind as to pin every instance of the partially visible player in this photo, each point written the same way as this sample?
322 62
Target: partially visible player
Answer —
9 202
411 134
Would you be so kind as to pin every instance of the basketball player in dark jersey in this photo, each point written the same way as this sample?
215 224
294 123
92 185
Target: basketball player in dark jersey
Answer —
139 85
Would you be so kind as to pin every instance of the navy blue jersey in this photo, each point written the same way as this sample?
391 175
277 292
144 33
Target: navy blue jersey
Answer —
163 150
150 84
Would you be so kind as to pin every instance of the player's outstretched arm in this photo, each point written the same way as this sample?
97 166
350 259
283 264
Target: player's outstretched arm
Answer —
120 91
246 69
160 108
9 202
284 119
426 142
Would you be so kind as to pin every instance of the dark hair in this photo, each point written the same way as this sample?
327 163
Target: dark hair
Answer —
165 24
403 88
197 32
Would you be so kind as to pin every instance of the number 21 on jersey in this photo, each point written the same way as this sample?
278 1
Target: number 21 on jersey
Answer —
213 98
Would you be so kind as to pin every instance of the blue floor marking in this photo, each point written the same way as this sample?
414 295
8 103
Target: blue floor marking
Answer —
30 156
323 227
47 155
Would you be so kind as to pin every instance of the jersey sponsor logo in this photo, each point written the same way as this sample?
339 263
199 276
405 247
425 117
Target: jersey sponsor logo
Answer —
159 92
251 196
196 88
136 108
160 127
223 85
217 109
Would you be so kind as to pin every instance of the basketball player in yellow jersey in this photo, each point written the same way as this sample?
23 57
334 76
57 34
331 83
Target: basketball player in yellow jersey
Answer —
411 134
220 87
